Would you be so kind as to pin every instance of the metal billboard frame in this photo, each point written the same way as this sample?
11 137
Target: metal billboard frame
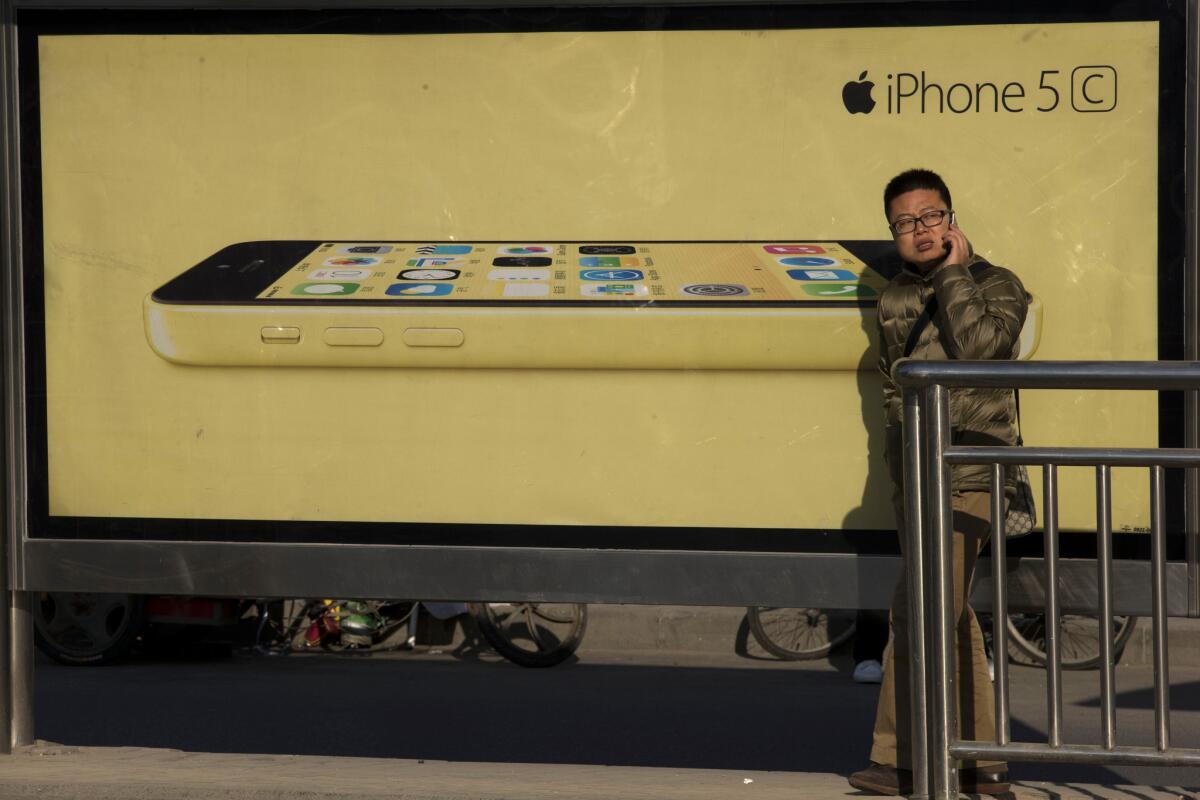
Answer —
831 579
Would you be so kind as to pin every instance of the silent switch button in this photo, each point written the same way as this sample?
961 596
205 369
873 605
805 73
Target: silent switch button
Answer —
353 337
433 337
280 334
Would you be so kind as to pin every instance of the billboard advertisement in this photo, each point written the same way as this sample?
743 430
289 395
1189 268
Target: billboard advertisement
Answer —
576 277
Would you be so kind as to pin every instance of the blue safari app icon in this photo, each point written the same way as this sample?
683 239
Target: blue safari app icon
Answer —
821 275
608 275
419 289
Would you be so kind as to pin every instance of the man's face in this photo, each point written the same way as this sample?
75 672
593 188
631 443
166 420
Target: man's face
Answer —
923 246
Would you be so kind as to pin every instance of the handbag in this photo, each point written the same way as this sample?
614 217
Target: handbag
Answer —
1021 516
1022 512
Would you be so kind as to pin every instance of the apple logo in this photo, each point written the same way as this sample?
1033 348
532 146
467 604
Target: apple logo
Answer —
856 95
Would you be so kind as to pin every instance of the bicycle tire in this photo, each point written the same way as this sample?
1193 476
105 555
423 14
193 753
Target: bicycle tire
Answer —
86 628
522 632
1080 642
800 634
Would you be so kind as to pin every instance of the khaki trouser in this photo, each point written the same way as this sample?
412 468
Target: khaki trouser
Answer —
976 706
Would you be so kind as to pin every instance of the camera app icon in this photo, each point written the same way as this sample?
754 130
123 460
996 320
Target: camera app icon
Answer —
1094 88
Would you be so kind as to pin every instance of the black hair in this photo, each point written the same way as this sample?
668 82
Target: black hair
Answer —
911 180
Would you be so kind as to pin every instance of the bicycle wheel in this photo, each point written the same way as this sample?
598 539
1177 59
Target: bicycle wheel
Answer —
81 628
799 634
532 634
1079 639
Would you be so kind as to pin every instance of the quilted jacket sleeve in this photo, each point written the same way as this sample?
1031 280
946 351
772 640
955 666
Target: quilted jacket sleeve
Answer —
981 318
891 392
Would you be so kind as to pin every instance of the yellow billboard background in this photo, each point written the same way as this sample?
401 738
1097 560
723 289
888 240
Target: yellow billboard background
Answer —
159 150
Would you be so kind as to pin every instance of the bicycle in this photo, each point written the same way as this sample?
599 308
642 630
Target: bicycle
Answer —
1079 638
800 634
528 634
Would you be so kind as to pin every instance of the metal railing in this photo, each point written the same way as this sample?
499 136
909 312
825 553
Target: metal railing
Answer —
929 455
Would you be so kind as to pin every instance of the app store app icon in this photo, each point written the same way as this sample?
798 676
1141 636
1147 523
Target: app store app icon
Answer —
608 275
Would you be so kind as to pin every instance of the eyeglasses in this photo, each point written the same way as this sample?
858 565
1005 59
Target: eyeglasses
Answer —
930 219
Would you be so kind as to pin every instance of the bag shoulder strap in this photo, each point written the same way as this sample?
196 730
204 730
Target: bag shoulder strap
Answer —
1017 403
931 307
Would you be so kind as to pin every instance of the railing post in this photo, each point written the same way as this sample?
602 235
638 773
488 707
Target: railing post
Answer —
1054 703
1158 594
915 570
1108 702
1000 607
942 717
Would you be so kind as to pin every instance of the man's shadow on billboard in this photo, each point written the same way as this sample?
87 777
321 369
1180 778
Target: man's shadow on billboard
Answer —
868 529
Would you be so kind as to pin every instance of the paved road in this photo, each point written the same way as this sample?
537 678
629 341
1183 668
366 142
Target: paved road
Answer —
620 708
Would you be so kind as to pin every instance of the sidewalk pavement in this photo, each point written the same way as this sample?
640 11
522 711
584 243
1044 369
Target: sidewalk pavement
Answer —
130 773
46 770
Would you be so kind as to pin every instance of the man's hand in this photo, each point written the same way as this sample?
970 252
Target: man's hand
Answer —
959 250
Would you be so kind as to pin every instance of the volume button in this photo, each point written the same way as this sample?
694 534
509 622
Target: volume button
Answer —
433 337
353 337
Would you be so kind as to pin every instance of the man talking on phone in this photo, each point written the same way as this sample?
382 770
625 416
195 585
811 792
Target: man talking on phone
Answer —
945 303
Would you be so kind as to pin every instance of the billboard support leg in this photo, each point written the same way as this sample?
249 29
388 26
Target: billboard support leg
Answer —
6 658
20 640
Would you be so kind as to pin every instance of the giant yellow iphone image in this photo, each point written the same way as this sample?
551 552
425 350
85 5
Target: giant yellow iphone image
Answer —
650 305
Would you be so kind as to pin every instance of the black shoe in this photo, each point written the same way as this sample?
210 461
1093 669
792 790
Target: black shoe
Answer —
881 779
984 780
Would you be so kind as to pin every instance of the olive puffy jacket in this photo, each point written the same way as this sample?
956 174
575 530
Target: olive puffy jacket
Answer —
978 317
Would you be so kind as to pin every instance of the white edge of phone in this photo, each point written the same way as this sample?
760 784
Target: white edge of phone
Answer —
1031 331
641 337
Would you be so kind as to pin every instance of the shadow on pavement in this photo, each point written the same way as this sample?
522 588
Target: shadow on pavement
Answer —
491 711
1183 697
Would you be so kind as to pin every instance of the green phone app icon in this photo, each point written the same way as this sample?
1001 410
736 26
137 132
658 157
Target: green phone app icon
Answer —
325 289
836 290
